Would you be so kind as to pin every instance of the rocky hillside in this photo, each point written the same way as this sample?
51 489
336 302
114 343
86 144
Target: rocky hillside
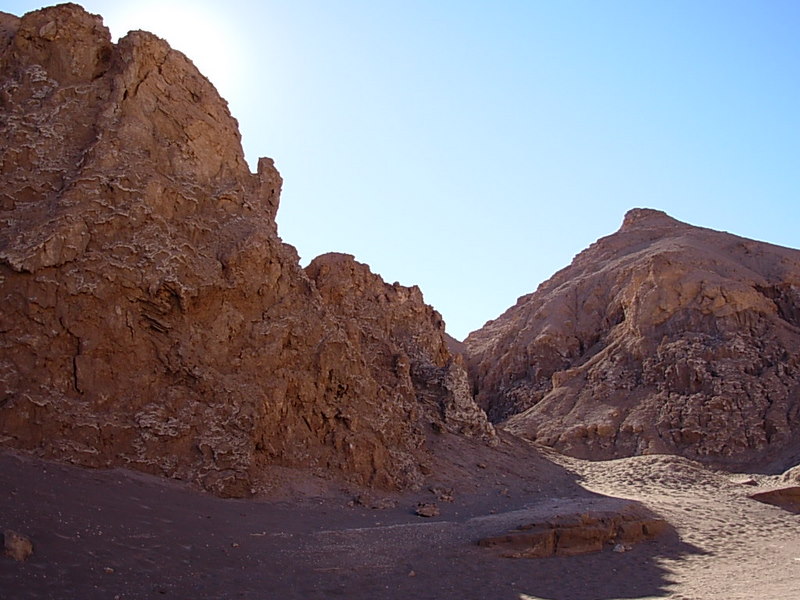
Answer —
152 317
660 338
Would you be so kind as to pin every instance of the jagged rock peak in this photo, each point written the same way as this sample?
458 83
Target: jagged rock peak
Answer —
44 37
152 317
660 338
648 218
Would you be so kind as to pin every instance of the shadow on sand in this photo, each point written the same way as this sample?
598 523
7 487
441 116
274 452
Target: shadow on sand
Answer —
113 534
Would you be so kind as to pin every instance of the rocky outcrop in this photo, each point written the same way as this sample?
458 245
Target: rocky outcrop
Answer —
660 338
405 341
787 498
792 475
580 533
152 317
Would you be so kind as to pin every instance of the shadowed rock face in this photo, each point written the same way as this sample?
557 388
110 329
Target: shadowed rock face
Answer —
152 317
660 338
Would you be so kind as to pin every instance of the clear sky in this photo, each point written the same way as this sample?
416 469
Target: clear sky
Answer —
474 147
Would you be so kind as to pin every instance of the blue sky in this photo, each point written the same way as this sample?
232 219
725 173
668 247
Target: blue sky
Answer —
473 148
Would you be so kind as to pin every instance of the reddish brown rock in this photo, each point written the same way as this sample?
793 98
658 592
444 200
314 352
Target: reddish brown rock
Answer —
575 534
661 338
405 341
787 498
152 317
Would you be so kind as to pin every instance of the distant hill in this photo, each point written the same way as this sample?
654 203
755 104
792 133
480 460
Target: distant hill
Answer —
660 338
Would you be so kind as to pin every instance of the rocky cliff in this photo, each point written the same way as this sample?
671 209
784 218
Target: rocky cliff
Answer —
660 338
152 317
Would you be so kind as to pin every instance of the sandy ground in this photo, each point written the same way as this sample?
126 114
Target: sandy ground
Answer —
744 549
114 534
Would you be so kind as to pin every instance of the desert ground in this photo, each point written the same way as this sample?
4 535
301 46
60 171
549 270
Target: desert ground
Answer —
117 534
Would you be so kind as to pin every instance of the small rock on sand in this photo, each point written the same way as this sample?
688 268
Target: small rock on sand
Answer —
427 509
16 545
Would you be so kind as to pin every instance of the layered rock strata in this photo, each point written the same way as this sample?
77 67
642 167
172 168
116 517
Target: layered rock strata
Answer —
152 317
660 338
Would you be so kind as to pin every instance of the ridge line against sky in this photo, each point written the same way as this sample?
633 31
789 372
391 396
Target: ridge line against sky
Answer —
473 148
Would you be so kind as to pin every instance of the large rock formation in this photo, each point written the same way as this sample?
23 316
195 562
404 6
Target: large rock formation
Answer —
152 317
404 339
660 338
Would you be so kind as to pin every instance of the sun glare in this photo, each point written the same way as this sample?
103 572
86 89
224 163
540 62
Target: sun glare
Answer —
202 33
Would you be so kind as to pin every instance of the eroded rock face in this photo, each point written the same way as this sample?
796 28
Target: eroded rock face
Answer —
661 338
405 341
152 317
